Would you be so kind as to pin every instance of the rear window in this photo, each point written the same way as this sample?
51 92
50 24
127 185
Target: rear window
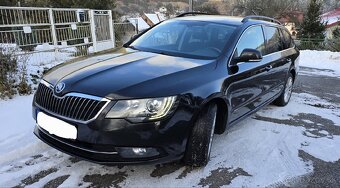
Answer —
274 43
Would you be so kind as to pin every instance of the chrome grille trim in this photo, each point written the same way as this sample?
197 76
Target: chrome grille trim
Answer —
70 106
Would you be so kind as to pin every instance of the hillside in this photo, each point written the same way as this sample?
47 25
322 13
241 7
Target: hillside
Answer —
135 7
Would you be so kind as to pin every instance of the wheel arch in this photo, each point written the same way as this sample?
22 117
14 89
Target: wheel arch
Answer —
294 67
222 113
293 72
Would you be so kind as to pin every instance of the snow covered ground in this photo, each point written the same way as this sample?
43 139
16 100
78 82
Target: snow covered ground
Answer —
324 62
276 146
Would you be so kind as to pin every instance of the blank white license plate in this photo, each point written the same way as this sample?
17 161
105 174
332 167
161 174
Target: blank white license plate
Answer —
56 126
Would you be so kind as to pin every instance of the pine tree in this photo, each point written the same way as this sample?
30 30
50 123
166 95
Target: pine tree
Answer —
312 25
336 32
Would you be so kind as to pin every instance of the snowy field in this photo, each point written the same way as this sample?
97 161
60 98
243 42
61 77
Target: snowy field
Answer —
278 146
324 63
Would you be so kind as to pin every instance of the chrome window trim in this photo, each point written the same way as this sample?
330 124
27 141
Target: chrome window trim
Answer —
75 94
278 52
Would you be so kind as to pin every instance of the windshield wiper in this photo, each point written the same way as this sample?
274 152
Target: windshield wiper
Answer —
132 47
149 50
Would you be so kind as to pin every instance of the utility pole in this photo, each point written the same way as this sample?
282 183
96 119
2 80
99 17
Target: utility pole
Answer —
191 5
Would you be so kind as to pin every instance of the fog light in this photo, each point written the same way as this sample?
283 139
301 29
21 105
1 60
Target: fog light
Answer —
127 152
139 151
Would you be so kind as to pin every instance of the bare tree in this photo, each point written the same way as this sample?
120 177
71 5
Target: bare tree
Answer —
207 8
272 8
329 5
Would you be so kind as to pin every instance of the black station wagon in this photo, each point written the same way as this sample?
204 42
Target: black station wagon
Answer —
167 91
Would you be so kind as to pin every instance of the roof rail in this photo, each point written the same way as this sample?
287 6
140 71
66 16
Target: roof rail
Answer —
192 13
265 18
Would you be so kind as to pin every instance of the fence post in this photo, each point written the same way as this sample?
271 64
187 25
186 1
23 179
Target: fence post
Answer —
93 30
54 34
113 38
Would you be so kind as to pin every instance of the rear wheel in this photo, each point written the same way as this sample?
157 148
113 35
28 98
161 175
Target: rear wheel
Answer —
200 140
284 98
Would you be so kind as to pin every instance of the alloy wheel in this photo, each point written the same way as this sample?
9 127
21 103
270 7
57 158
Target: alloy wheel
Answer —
288 89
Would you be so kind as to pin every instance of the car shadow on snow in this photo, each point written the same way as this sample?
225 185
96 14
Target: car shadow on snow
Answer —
315 125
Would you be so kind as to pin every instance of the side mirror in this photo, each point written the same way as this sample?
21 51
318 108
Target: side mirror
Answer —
249 55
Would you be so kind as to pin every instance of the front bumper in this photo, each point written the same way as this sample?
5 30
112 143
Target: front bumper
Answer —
90 152
105 140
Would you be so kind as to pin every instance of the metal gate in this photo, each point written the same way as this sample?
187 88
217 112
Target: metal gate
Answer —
55 34
103 35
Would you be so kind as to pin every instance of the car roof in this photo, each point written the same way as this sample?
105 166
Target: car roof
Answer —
228 20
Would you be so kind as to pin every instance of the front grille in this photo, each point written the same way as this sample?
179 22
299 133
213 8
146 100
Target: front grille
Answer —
70 106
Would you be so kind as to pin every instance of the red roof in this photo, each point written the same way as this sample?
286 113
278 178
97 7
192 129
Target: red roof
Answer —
332 17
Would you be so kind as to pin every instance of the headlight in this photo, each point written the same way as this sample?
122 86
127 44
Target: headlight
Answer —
142 109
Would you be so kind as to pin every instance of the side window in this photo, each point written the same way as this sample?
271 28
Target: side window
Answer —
252 38
274 43
287 39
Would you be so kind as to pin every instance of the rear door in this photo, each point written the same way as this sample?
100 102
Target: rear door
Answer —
245 84
278 63
287 39
289 51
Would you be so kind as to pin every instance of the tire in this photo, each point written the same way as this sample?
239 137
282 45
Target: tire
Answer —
200 140
284 98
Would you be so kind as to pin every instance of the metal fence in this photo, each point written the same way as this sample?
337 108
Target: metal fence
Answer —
318 44
52 34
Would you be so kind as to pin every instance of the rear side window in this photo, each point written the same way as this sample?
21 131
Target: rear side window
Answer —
274 43
252 38
287 39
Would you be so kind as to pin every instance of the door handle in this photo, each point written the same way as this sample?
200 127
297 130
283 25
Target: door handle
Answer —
268 68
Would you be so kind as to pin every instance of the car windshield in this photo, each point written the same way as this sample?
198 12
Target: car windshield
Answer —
198 39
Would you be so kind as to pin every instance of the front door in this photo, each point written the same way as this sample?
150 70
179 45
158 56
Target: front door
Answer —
246 83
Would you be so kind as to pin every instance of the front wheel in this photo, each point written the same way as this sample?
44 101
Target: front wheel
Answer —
200 140
284 98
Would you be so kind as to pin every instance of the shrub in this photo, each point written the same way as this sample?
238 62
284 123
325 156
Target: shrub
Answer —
8 70
311 44
23 87
13 72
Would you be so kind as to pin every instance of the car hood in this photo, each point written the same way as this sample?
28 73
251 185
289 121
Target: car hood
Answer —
126 74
